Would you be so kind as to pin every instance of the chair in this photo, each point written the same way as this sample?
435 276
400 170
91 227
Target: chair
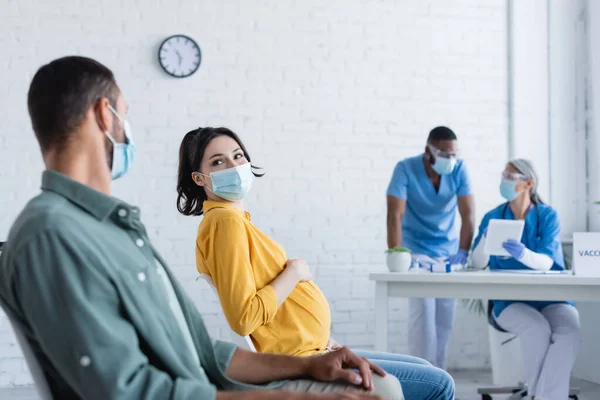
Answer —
520 390
41 384
245 342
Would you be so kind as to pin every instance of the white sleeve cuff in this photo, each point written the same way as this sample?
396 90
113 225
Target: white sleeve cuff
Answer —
538 261
479 259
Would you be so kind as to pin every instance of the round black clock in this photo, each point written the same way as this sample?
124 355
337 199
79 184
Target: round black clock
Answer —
179 56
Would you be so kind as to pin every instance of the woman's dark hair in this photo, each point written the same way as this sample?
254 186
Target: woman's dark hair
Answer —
190 197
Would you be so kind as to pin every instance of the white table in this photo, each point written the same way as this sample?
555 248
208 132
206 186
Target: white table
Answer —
475 285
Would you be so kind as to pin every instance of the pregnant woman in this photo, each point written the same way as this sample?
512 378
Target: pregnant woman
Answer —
263 293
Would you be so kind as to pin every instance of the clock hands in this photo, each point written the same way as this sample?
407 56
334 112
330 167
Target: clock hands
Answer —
179 57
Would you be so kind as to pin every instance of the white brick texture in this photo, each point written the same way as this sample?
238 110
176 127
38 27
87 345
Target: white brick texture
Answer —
328 96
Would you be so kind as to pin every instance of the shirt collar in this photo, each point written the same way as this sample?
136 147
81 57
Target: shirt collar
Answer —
210 205
94 202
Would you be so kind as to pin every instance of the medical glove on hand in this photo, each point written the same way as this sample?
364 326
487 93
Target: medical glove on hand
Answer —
514 248
458 258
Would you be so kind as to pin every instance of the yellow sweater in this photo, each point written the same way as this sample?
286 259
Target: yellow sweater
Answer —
242 261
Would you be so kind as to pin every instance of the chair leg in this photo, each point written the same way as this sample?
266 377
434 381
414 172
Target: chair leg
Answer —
518 395
515 392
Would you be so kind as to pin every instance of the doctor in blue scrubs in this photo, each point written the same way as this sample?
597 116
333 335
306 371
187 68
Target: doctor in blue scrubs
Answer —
423 198
549 331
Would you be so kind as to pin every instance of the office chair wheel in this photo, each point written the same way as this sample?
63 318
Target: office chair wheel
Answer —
574 397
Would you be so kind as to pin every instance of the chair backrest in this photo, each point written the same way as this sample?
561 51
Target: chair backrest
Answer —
492 321
41 384
35 368
245 342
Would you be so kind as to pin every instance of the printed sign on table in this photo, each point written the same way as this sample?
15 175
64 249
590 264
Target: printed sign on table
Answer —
586 253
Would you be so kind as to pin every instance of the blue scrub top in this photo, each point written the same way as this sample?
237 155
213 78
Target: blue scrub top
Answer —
541 235
429 222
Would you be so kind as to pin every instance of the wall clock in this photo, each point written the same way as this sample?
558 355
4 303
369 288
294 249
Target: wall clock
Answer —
179 56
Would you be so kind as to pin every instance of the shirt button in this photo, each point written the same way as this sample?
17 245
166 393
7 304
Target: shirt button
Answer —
141 277
122 213
85 361
139 243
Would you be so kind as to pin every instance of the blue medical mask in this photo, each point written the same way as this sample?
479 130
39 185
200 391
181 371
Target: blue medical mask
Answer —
444 166
507 189
233 183
123 153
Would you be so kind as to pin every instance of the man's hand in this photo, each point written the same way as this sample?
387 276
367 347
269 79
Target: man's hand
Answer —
459 258
337 365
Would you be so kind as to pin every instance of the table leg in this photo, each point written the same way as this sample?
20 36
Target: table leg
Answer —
381 316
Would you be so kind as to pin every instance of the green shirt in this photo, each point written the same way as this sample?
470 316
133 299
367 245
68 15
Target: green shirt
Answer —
78 275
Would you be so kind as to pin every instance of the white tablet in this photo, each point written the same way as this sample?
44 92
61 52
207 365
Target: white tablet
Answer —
499 231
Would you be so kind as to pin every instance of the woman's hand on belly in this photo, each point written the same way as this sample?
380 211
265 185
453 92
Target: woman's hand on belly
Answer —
295 271
333 345
300 269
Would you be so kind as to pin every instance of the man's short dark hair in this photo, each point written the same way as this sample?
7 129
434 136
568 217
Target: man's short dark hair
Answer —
61 93
441 133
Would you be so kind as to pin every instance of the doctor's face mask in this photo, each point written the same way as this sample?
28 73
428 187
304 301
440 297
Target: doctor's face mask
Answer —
442 161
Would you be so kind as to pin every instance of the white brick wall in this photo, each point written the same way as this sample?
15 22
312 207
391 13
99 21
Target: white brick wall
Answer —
328 96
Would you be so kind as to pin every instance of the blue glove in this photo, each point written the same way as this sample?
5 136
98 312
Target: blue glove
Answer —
458 258
514 248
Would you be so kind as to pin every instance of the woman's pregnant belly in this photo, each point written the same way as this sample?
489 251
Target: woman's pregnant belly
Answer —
301 326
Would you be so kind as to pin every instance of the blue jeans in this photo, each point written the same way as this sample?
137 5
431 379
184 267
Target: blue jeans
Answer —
419 379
